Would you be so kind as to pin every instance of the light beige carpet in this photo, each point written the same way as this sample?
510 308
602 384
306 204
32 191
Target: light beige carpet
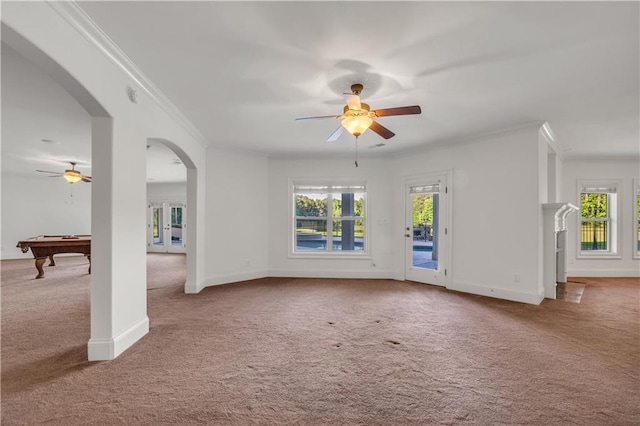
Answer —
319 352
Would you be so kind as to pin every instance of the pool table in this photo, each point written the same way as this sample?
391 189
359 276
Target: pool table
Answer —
44 246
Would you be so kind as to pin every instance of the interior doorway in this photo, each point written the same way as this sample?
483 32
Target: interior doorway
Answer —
427 230
166 225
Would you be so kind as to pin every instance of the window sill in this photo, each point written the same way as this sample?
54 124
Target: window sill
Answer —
333 255
584 256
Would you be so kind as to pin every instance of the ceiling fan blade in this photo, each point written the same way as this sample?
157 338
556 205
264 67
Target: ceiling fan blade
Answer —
335 135
46 171
86 179
381 130
415 109
353 101
320 116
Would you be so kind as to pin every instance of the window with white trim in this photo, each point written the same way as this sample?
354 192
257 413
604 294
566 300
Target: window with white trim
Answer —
598 231
329 218
636 215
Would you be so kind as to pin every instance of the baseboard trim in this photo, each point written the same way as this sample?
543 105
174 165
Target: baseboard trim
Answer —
234 278
12 256
29 255
498 293
288 273
109 349
604 273
194 288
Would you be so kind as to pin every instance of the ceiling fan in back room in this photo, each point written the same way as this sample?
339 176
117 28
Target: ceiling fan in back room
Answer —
357 117
70 175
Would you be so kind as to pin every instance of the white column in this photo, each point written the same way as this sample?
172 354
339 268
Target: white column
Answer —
195 230
118 246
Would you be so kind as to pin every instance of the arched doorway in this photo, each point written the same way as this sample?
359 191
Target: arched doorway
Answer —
118 207
190 235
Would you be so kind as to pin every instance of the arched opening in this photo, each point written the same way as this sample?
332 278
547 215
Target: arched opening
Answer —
118 310
172 225
100 286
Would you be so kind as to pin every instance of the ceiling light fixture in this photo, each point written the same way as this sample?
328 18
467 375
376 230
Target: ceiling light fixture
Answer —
357 121
72 176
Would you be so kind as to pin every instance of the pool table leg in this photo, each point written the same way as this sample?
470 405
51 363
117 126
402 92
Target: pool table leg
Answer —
51 261
89 258
39 263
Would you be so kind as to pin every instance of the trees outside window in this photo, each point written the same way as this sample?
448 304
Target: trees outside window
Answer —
329 218
598 218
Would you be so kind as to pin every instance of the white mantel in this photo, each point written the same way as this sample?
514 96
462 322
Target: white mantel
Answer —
554 216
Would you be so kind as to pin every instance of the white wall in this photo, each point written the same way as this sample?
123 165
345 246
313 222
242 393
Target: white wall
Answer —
496 212
625 265
378 176
237 206
167 192
39 205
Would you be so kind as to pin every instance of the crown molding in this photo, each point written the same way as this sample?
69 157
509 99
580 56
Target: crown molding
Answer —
552 141
82 23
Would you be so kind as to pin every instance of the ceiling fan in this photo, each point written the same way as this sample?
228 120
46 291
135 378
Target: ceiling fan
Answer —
357 116
70 175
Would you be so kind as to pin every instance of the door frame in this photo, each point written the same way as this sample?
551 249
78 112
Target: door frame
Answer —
445 239
167 247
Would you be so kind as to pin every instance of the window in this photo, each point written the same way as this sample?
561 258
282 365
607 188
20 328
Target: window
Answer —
329 219
636 208
598 218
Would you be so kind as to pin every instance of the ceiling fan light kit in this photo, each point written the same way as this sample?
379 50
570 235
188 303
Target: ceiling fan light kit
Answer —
70 175
357 125
357 116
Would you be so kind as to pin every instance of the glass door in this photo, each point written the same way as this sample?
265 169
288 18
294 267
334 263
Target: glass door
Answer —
156 227
177 228
426 231
166 228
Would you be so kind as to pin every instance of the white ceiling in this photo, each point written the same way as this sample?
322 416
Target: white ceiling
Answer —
241 72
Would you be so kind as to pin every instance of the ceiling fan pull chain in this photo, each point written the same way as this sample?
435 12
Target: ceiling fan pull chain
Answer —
356 151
